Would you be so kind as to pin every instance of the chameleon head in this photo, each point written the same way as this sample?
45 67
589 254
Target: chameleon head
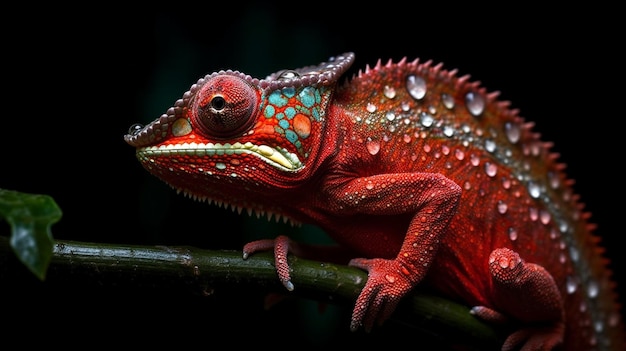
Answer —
230 130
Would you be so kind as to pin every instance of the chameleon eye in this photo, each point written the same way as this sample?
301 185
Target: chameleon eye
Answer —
225 106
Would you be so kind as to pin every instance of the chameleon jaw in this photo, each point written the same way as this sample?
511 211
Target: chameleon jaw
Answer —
275 156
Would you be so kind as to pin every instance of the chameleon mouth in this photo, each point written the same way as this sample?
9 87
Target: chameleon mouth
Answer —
277 157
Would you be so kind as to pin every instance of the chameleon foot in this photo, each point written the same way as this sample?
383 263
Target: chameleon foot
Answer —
281 246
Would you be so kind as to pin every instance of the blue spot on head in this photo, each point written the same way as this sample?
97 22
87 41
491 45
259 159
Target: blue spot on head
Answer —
307 96
277 99
289 92
283 123
269 111
291 136
290 112
316 114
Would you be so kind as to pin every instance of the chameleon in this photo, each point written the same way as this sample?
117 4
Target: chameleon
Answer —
422 176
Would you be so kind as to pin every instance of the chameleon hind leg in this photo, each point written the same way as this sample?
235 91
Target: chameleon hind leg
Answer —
527 293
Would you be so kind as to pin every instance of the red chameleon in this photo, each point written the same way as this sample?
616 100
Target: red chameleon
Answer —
426 175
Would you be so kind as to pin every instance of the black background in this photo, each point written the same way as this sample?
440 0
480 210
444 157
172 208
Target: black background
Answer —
77 78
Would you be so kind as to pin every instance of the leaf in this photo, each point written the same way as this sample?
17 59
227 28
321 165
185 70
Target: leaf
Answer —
30 217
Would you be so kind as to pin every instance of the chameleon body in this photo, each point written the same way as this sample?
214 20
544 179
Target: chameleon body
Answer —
424 176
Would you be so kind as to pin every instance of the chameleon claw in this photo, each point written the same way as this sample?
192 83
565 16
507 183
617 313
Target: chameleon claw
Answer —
289 285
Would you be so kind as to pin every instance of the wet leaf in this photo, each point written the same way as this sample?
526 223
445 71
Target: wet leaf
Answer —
30 217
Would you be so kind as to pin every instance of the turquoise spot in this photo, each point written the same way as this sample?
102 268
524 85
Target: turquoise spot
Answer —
289 92
307 97
303 110
280 115
277 99
318 96
279 130
316 114
290 112
284 123
291 136
269 111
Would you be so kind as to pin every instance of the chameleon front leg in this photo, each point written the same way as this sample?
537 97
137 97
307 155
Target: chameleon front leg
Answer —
430 197
531 296
433 200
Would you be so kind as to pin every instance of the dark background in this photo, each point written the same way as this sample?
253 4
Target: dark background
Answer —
76 79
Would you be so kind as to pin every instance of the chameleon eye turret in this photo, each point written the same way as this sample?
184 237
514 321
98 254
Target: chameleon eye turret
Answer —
225 106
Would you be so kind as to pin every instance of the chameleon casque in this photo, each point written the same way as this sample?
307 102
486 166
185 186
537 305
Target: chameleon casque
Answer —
425 175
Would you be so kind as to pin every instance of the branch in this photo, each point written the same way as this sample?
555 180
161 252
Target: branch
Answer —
202 271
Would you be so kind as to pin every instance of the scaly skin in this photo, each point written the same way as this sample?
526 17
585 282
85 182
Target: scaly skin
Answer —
425 173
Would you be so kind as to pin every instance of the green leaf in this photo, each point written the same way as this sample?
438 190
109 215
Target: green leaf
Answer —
30 217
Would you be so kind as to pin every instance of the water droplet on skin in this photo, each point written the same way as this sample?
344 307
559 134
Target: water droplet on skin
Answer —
533 190
553 180
598 326
571 285
490 145
503 262
491 169
459 154
554 234
512 234
502 207
448 131
373 147
474 160
506 183
390 278
592 289
390 116
416 87
574 254
426 120
389 92
369 185
406 138
534 214
135 129
405 106
475 103
370 107
512 131
544 216
448 101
